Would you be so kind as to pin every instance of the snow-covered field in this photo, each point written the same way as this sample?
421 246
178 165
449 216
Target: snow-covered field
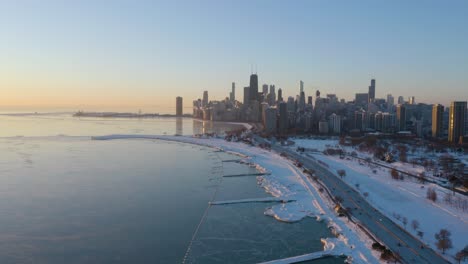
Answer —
400 200
289 183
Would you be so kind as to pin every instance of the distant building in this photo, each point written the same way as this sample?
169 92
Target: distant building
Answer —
323 127
246 95
232 95
457 120
412 100
361 98
390 101
265 88
253 87
271 120
437 120
302 101
205 99
372 91
401 100
309 100
401 117
301 85
272 95
280 95
361 120
283 118
179 106
334 123
291 104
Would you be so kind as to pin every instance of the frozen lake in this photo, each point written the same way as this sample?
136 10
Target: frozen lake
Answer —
74 200
24 124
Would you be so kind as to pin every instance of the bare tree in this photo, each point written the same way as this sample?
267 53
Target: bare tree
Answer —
366 194
404 221
339 199
462 254
420 234
394 174
341 173
443 240
431 194
422 177
415 224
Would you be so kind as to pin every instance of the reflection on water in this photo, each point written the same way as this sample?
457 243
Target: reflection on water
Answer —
179 126
65 124
75 200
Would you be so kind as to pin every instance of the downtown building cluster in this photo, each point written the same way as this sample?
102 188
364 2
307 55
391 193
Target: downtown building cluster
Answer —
329 115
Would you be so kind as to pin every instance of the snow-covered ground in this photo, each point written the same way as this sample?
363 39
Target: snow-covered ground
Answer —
400 199
289 183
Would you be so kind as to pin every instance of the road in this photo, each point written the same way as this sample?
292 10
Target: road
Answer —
392 235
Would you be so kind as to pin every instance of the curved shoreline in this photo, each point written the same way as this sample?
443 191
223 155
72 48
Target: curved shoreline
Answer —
286 182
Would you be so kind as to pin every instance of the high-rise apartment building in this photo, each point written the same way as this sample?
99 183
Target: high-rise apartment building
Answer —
232 95
457 120
401 117
372 91
437 120
179 106
205 99
283 118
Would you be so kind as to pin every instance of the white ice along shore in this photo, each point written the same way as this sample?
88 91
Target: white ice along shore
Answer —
288 183
402 201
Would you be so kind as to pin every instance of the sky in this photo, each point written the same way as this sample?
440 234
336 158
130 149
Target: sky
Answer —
142 54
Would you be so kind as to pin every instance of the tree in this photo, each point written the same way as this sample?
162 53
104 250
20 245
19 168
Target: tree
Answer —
342 173
366 194
415 224
431 194
394 174
462 254
339 199
422 177
404 221
420 234
403 156
443 240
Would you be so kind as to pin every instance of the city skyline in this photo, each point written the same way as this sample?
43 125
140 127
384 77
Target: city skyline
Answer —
138 56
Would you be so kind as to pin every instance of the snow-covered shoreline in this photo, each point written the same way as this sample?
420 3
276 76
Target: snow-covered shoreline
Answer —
289 183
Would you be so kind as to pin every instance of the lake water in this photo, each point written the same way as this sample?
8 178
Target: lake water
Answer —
74 200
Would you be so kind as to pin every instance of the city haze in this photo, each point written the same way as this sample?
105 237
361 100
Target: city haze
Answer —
128 56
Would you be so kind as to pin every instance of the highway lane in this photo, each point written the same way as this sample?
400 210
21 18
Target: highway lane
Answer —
384 229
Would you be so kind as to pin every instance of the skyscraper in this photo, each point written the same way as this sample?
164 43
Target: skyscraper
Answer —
372 91
309 100
205 99
253 87
401 100
457 119
246 95
437 120
401 117
302 101
390 100
232 95
179 106
412 100
265 89
270 120
280 95
361 98
301 85
283 118
273 93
